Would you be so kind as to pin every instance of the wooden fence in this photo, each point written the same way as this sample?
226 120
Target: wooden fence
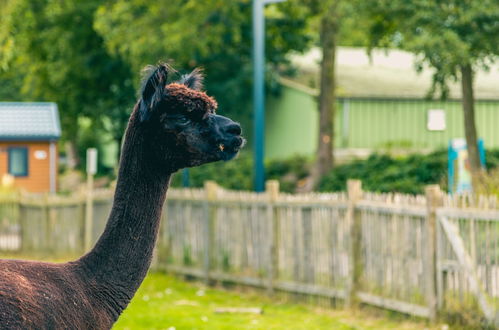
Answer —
420 255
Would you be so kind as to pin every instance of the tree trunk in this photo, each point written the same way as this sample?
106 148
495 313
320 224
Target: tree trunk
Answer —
469 120
73 160
327 98
70 135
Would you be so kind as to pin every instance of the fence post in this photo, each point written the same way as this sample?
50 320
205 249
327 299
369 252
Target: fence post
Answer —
354 188
272 190
16 204
434 200
51 216
89 213
211 190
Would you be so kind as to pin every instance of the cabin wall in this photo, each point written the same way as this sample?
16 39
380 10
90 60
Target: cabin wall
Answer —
39 169
369 123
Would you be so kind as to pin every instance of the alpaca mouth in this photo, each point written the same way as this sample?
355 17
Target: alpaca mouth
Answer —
229 151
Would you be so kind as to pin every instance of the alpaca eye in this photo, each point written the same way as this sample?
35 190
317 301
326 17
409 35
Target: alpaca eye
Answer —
183 120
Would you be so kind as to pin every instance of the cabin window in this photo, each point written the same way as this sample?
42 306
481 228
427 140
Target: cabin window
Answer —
18 161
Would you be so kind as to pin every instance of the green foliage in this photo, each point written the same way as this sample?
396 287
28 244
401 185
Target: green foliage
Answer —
52 48
213 34
492 159
226 260
88 139
379 172
10 87
453 37
463 312
446 35
187 256
488 182
289 172
383 173
353 28
408 174
237 174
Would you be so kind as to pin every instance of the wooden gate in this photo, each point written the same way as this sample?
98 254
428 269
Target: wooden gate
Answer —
468 261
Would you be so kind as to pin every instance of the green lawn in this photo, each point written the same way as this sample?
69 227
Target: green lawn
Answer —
165 302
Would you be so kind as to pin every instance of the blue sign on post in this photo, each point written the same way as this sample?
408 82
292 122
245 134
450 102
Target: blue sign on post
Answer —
459 166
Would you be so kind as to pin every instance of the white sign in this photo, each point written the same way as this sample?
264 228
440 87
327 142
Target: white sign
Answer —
459 143
91 161
436 120
40 154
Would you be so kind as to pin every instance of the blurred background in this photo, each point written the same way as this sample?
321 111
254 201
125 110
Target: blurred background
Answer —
398 94
343 81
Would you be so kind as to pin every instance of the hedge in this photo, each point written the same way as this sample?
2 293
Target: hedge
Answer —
379 172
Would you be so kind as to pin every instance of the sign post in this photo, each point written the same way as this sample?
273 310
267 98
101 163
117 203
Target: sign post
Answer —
89 210
259 91
459 175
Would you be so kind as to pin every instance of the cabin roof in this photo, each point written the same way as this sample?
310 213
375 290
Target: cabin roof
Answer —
385 73
29 121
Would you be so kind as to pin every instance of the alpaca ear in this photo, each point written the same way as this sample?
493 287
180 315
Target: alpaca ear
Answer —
193 80
153 89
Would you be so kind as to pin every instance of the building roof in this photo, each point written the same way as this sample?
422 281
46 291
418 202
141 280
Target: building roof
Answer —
33 121
386 73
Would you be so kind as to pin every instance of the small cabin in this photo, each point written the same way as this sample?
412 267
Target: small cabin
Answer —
29 133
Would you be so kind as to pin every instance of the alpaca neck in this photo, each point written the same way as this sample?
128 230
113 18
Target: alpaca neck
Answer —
119 261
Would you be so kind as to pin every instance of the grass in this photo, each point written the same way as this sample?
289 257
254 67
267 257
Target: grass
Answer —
165 302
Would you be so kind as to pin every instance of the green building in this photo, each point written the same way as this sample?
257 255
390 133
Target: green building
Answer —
381 104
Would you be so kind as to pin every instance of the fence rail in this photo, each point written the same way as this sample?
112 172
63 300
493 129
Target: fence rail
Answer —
420 255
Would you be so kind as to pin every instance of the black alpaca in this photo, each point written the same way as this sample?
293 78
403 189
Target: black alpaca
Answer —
172 126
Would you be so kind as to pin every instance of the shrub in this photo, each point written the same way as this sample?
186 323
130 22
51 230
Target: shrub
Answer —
379 172
384 173
237 174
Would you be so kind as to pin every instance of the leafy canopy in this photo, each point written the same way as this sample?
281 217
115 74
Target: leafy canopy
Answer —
53 48
213 34
446 35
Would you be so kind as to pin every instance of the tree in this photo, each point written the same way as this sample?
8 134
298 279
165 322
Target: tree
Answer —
53 46
453 37
10 88
212 34
328 17
330 14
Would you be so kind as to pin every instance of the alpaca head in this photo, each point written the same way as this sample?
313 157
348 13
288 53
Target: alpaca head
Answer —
180 120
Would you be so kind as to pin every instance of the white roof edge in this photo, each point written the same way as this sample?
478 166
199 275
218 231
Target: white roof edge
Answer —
55 115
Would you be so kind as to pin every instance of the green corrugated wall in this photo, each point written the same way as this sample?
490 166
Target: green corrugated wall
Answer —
291 126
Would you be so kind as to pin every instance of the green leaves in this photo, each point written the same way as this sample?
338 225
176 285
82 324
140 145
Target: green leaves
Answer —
382 173
58 56
87 55
445 34
213 34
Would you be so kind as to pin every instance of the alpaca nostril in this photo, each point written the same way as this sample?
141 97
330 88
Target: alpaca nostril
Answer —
234 129
240 142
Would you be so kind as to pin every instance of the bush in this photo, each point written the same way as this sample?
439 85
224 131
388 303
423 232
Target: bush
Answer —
384 173
379 173
237 174
291 173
